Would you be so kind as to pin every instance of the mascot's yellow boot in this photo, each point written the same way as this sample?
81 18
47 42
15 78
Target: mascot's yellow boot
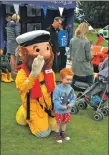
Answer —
4 77
21 116
10 77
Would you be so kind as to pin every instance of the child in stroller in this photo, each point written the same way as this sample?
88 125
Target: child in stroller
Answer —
5 68
97 94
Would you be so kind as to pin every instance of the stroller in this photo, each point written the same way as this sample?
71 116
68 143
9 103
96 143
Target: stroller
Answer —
97 95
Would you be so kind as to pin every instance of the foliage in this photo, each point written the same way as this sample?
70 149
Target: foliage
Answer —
95 12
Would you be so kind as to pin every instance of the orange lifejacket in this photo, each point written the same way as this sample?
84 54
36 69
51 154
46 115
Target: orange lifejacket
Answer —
99 53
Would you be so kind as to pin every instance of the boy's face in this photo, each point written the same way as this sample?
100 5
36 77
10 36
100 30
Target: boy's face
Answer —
67 80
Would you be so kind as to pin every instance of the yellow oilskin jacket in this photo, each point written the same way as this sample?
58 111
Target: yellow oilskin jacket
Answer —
40 123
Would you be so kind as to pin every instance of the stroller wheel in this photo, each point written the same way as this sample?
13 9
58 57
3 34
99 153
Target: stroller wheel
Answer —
82 105
98 116
105 111
108 110
86 105
74 109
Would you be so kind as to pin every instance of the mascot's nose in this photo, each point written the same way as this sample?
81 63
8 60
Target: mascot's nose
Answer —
36 54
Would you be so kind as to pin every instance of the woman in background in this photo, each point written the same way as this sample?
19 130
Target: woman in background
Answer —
13 30
81 56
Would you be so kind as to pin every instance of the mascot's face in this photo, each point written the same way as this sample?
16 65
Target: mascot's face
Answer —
42 49
30 52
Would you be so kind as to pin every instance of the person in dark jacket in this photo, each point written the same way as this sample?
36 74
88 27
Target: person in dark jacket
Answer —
53 29
63 43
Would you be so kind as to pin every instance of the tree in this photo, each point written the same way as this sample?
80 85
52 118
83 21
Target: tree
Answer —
95 12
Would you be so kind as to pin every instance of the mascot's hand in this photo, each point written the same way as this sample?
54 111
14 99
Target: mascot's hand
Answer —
37 66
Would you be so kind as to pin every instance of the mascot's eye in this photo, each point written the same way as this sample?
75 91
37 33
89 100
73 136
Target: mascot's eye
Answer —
47 48
37 50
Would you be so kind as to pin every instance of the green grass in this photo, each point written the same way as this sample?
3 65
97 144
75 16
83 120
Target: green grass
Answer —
88 137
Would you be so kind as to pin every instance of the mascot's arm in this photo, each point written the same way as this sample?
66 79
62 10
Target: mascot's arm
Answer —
24 83
37 66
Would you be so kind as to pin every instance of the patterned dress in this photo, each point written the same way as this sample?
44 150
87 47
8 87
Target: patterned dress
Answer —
13 30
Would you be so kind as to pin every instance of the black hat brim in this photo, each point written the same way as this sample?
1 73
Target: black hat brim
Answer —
38 39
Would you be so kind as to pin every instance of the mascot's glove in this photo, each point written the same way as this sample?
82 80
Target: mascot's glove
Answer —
37 66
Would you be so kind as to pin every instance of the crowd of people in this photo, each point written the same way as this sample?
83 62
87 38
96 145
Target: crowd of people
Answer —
80 50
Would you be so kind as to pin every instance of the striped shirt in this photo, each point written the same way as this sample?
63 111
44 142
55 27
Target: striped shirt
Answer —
13 30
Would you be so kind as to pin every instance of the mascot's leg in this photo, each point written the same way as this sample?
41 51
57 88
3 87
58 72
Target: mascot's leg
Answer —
52 123
21 116
41 134
38 123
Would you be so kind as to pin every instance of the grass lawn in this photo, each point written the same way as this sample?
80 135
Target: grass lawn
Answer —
88 137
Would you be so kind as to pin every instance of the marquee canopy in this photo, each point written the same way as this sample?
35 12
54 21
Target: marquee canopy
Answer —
56 4
45 5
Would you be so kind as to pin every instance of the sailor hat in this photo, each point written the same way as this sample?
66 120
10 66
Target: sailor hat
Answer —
33 37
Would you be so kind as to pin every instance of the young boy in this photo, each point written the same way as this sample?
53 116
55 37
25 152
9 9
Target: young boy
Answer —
63 99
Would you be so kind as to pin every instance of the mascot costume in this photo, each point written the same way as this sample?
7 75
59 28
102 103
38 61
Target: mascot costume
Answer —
35 81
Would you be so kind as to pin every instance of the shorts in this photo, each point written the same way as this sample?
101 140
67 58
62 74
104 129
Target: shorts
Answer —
65 118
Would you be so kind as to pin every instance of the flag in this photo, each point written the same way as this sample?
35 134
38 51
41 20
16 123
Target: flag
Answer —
61 10
16 8
100 39
44 10
90 27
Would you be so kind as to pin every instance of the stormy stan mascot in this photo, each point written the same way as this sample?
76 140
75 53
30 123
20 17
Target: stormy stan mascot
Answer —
36 81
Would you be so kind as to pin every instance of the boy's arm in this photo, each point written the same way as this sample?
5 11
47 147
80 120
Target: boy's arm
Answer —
57 100
72 101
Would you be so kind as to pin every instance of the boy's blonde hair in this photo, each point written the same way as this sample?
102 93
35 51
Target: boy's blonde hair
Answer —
82 30
15 17
66 71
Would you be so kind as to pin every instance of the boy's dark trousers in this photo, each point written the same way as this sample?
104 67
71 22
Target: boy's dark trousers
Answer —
56 63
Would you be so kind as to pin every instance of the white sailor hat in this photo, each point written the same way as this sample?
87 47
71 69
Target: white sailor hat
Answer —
36 36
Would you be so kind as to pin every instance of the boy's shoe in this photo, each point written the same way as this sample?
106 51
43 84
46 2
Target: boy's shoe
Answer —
58 139
65 136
